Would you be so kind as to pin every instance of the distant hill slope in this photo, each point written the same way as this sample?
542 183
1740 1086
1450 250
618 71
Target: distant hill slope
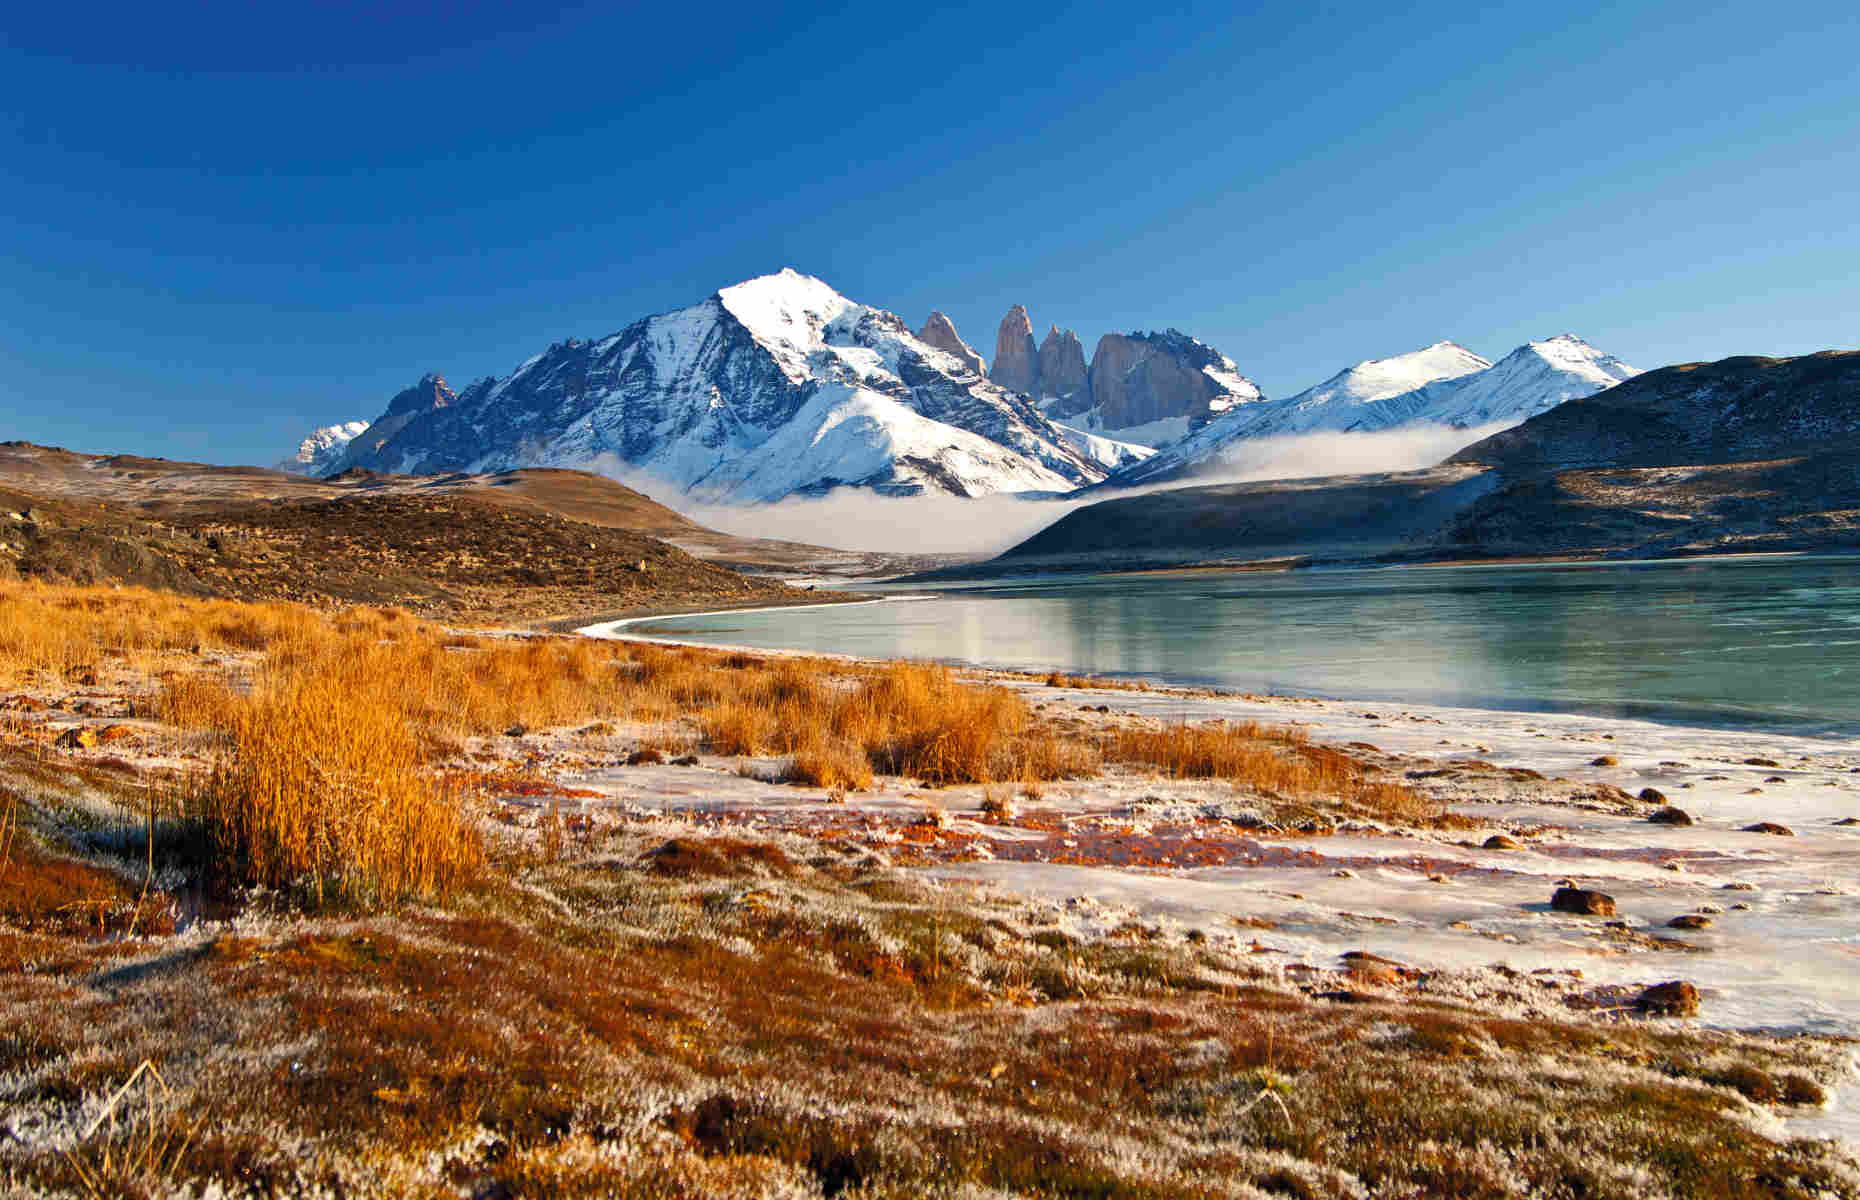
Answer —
520 546
1746 454
1734 410
161 488
1361 516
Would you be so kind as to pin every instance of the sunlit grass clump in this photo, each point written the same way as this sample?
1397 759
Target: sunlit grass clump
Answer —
323 790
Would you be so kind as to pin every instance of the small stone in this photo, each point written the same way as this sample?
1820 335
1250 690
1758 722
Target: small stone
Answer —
1670 816
1652 796
1740 908
1690 921
1499 841
1738 887
1583 902
1606 760
1343 873
1761 762
516 731
688 760
647 757
1848 821
1774 779
1770 827
1675 998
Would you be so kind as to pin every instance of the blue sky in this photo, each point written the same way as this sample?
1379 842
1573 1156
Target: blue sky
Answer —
226 223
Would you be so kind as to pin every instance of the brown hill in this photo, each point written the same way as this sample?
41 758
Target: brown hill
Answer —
523 546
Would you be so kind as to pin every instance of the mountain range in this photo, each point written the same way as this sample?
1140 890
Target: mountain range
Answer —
1740 455
781 386
777 386
1444 385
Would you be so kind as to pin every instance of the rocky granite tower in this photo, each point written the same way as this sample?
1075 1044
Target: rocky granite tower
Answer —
940 331
1137 378
1062 365
1017 365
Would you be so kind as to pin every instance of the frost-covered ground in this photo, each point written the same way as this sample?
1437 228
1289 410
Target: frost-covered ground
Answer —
1780 950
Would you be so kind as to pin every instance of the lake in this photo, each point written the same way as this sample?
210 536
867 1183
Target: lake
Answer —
1754 642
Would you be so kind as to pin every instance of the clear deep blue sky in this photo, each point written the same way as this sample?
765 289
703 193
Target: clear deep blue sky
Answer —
226 223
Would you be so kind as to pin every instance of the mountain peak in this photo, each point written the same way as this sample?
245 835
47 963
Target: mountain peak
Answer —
324 446
940 333
1570 354
1016 366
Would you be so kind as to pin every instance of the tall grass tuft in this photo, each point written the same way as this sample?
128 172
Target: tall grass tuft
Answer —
322 790
1271 759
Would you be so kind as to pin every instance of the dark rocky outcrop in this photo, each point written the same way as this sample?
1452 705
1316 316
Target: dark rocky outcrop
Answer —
1771 828
1017 363
939 331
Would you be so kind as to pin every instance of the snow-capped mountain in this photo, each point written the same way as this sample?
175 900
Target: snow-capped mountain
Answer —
323 447
1444 385
1357 398
773 387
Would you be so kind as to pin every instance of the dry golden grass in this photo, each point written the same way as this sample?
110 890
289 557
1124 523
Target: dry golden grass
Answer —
334 722
1059 679
197 700
1275 760
66 630
837 766
325 791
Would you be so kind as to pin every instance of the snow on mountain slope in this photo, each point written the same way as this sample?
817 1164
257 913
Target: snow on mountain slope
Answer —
1346 398
323 447
773 386
1444 385
1111 453
1534 378
850 436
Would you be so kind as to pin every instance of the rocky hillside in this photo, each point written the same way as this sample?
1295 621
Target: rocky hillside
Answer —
1735 410
774 387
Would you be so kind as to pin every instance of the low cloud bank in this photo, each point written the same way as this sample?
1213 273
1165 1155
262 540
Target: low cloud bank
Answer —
1309 455
987 525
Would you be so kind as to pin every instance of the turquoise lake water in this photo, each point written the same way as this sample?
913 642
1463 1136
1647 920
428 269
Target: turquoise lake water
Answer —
1740 642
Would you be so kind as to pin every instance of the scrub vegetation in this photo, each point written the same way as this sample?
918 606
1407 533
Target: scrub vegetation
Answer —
307 944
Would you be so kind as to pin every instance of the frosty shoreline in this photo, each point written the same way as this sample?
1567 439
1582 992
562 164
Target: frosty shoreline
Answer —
1781 952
